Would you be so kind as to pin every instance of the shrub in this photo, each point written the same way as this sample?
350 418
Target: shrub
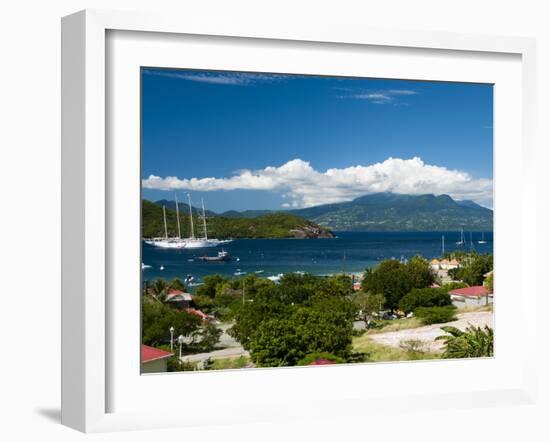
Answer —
436 315
413 345
415 348
174 364
427 297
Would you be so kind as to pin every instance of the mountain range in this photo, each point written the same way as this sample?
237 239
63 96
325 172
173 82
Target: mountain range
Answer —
385 212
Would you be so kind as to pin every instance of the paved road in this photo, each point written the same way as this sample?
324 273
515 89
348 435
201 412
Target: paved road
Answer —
230 348
232 352
428 333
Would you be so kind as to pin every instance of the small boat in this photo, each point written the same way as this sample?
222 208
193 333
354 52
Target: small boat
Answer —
220 257
482 240
145 266
239 273
161 268
258 272
462 241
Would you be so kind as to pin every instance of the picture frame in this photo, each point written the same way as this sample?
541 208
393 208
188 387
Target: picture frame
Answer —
87 215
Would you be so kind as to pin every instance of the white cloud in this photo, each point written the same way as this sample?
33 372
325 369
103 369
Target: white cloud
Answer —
304 186
224 78
389 96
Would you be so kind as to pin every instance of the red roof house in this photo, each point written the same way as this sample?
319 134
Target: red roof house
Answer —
179 299
153 360
474 291
471 296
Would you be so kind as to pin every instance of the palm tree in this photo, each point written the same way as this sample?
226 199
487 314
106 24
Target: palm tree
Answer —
160 288
177 284
474 342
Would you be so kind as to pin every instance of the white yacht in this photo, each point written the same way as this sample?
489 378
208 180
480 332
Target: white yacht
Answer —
200 243
168 242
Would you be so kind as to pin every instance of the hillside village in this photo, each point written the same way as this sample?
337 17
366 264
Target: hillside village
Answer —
410 310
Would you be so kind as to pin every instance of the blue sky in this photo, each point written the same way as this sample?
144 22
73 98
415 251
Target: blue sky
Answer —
265 141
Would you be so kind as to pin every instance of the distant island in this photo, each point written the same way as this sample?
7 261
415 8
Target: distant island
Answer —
268 225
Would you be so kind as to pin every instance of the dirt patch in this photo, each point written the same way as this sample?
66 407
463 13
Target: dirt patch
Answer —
428 333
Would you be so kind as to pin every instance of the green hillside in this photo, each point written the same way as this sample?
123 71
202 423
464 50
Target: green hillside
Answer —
273 225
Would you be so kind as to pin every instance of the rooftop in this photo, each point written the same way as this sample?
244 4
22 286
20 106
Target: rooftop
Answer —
149 354
474 291
180 296
322 361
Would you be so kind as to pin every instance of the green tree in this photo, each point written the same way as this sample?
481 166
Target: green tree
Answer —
286 340
177 284
249 317
211 286
394 279
203 303
473 268
157 319
426 297
276 343
391 279
474 342
207 336
337 285
420 272
285 322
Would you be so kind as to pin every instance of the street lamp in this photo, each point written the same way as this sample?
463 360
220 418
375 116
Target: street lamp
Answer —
171 338
180 340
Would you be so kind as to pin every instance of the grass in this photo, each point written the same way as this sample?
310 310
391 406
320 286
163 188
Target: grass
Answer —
483 308
383 353
229 363
395 325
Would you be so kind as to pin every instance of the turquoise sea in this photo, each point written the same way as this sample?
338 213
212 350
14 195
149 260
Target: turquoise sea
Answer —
349 252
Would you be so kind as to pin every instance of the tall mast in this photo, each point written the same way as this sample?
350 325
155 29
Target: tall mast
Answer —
191 216
442 245
178 215
165 227
204 219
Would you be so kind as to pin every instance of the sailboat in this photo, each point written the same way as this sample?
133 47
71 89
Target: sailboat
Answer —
168 242
482 240
462 241
200 243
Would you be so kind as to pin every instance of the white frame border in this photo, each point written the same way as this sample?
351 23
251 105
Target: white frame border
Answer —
84 198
